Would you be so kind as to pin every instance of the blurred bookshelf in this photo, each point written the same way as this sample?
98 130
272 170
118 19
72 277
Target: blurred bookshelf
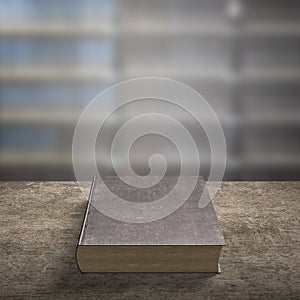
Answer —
242 56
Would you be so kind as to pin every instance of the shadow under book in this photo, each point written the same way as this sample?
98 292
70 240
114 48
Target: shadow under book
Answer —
188 240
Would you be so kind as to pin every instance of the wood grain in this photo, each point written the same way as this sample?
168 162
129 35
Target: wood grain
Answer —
40 222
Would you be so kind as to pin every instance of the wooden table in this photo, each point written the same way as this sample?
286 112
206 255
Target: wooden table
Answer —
40 224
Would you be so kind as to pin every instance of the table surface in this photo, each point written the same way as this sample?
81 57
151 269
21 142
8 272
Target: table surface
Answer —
41 221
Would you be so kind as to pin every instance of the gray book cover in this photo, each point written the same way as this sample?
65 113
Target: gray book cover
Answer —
188 225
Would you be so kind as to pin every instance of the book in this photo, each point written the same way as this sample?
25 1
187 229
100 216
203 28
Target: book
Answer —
187 240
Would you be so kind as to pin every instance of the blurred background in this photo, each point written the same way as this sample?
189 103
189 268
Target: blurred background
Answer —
242 56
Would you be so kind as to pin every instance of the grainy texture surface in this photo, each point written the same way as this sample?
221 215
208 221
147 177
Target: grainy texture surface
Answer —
40 224
188 225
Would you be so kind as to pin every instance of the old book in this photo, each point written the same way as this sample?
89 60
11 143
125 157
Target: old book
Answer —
188 240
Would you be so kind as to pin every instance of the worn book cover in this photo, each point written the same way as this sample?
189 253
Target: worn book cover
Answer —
187 240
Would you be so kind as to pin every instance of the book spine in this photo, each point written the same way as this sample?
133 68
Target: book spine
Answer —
87 210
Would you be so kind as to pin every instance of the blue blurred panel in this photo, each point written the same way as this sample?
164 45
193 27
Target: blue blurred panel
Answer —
97 53
48 95
29 138
55 8
15 9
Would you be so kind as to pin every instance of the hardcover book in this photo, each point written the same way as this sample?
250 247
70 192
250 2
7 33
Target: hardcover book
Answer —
187 240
